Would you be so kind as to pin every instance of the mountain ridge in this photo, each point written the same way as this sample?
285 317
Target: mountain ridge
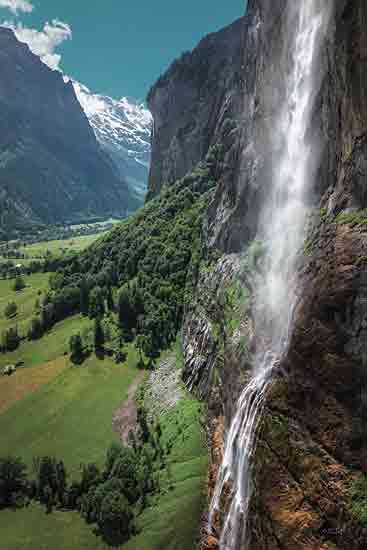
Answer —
123 129
52 168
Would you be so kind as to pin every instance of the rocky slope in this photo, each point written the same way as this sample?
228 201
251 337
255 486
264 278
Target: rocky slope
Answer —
312 449
51 167
123 129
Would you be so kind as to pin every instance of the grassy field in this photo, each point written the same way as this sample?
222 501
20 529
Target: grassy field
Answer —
32 529
51 346
171 522
75 244
25 299
25 381
71 416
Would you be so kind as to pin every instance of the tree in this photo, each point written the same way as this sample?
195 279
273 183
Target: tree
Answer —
126 311
35 330
84 296
96 303
91 476
115 518
99 338
37 306
140 345
11 310
76 348
125 469
13 479
61 476
47 316
110 300
48 498
10 339
113 452
46 478
19 283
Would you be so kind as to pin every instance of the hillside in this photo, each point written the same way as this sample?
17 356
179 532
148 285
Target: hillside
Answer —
52 168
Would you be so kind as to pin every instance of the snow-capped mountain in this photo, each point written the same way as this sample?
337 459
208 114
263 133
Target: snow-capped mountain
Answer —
123 129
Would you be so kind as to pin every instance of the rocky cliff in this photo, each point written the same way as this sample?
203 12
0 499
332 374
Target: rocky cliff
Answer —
51 166
193 103
310 489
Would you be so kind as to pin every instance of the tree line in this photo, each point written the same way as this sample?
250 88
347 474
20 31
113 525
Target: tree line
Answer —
109 498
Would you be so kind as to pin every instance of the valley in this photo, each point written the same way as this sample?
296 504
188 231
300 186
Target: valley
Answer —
183 353
49 401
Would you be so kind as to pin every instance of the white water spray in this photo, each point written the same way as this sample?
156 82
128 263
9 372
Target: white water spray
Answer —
282 230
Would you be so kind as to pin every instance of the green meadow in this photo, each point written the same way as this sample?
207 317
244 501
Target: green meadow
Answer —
36 285
58 247
71 416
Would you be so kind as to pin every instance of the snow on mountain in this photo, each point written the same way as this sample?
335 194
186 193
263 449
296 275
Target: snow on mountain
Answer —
123 129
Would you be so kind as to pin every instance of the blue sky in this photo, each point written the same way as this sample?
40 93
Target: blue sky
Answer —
120 47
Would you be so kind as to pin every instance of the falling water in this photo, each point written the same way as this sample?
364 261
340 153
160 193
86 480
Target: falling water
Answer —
282 230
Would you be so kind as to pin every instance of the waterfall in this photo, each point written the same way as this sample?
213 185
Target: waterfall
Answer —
282 226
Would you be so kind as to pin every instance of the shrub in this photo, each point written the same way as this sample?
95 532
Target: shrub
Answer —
19 283
76 349
13 480
11 310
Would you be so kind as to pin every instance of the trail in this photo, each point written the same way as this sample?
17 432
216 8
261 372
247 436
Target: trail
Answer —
125 417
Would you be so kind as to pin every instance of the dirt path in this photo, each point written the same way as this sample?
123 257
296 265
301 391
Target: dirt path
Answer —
125 417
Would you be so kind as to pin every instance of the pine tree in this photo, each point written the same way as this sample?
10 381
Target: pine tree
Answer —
110 300
84 296
76 348
99 338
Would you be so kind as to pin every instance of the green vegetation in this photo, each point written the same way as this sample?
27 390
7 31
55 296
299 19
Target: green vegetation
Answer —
18 284
25 300
355 218
52 345
71 417
32 529
11 310
123 299
58 247
171 520
147 259
152 492
358 493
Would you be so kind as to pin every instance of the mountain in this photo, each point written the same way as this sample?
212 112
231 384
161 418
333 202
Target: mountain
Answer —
52 168
123 129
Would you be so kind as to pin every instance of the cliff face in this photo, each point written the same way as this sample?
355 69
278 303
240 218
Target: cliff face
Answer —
312 449
51 167
191 103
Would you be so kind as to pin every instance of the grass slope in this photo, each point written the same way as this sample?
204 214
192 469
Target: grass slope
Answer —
59 247
25 381
32 529
172 521
24 299
51 346
70 417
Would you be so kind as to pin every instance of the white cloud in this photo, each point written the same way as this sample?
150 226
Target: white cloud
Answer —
16 6
43 43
